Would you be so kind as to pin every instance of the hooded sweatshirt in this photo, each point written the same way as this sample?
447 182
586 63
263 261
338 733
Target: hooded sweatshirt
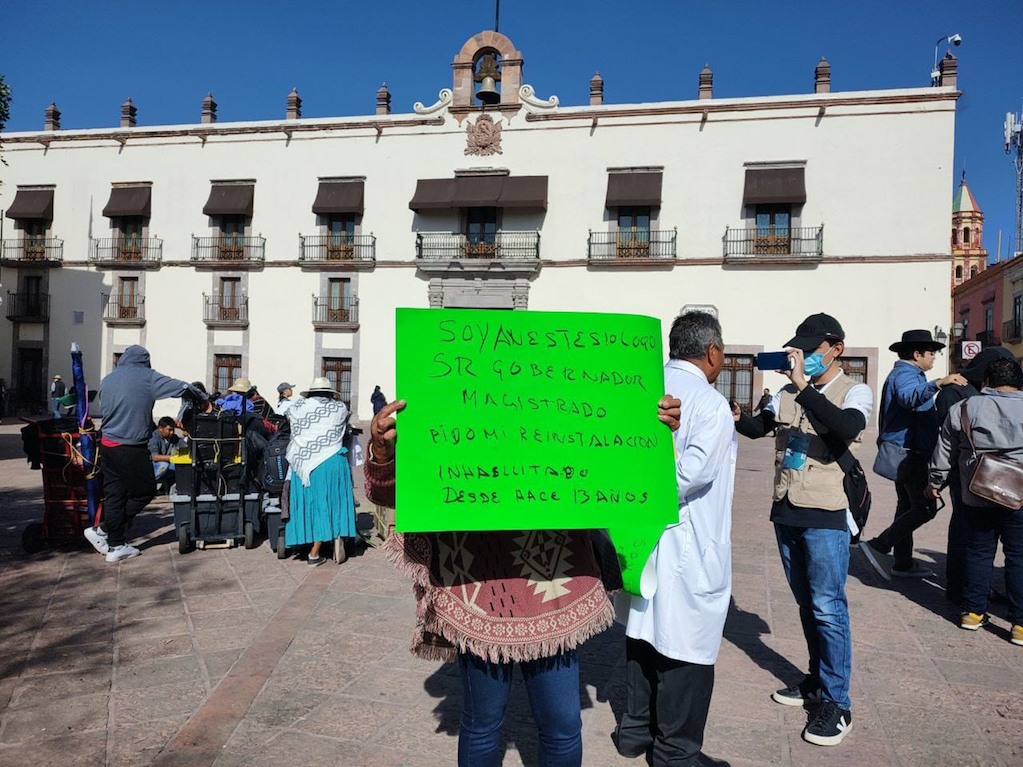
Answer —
127 396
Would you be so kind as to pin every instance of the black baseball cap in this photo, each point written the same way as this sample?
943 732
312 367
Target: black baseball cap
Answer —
815 330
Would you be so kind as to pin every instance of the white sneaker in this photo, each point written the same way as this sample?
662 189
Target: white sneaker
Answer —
97 538
125 551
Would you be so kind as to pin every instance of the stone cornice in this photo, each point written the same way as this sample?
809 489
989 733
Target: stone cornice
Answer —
204 132
508 266
820 102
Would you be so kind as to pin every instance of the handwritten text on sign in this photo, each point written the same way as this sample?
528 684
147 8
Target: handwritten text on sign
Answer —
530 421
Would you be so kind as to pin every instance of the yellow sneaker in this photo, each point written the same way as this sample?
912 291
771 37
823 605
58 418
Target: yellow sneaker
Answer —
1017 635
972 622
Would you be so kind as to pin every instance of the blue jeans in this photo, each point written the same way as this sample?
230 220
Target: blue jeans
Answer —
553 688
162 469
55 407
816 563
985 528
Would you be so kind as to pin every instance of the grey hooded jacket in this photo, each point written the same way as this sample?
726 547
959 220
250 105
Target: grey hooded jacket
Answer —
996 419
127 396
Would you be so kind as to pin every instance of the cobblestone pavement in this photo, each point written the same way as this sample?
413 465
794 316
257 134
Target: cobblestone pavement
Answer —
234 658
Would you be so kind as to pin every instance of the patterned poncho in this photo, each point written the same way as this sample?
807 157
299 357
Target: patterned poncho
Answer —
503 596
317 432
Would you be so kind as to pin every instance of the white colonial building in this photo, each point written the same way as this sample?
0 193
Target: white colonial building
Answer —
280 249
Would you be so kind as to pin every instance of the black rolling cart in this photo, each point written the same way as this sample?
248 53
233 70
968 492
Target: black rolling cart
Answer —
215 505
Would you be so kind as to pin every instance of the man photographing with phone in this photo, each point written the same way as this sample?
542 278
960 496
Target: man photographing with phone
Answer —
817 421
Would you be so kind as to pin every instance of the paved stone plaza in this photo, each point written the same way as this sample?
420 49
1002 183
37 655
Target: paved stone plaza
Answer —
232 658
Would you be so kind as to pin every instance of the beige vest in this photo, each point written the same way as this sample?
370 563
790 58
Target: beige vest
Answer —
819 484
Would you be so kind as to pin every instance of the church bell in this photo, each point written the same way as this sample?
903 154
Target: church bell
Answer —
488 73
488 92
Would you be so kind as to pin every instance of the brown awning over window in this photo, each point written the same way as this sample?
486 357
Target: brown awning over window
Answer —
129 201
32 203
433 194
633 189
765 186
524 192
339 197
230 200
480 192
477 191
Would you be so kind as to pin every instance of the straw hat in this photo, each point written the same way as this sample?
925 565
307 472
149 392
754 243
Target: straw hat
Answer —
320 387
241 386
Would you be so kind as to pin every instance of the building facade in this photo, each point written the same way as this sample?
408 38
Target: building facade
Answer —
280 249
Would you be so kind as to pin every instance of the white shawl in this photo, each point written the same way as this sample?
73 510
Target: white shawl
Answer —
317 433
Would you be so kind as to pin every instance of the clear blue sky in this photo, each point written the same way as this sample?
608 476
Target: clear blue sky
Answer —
88 57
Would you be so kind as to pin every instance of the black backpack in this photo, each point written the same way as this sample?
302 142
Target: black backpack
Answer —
857 491
275 462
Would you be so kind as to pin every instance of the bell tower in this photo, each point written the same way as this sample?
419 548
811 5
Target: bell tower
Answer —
490 61
969 257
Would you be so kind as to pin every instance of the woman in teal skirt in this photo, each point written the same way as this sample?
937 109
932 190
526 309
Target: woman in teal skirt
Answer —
321 504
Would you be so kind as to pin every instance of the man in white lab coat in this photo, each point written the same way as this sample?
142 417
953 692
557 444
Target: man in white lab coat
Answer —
673 638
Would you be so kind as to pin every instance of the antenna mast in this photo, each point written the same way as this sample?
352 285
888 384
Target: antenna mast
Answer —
1014 146
497 15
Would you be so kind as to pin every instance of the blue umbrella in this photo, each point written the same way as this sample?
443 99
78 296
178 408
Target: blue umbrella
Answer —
87 440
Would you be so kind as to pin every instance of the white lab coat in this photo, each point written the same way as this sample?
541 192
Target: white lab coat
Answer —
685 617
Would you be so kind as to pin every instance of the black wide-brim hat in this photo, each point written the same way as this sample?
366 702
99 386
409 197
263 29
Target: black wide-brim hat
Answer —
917 339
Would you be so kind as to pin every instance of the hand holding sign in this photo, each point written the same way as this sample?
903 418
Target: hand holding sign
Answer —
535 421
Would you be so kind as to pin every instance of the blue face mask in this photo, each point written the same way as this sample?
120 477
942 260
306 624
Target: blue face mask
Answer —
813 365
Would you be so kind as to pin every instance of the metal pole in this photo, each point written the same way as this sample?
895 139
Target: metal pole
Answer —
497 14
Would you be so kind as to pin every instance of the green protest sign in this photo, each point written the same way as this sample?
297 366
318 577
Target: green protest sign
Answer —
534 421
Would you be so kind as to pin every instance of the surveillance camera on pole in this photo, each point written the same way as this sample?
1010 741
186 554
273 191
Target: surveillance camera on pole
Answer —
955 40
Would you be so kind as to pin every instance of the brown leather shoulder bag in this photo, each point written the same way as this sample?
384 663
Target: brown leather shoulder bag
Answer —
995 478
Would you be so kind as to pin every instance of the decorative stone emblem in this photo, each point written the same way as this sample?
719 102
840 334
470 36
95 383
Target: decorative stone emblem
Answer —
483 138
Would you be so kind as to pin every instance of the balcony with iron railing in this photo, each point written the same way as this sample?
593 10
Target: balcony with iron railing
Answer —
228 250
121 251
337 251
335 312
630 245
28 307
124 309
225 310
37 251
509 253
804 244
988 338
1012 330
498 246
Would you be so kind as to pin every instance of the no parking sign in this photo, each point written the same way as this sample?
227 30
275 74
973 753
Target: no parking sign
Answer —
971 349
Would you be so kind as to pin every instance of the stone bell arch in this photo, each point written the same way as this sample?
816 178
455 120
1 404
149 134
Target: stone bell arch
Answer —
464 66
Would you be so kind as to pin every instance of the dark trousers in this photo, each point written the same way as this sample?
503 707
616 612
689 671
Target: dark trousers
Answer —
958 531
128 484
985 527
913 511
667 707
